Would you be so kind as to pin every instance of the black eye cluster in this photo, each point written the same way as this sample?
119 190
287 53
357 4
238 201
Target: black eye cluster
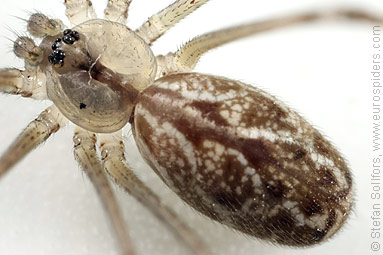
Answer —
57 57
70 36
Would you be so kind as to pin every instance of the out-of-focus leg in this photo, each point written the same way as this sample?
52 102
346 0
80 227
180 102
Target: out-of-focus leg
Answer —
38 131
25 83
79 11
189 54
40 25
86 155
117 10
161 22
112 152
25 48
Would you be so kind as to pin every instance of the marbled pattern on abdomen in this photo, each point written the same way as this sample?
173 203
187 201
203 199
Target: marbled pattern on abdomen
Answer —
243 158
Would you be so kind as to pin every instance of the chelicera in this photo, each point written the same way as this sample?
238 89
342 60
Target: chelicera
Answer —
231 151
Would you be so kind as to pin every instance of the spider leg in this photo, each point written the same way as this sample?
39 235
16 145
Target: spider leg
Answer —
112 152
117 10
38 131
40 25
161 22
79 11
25 83
25 48
86 155
189 54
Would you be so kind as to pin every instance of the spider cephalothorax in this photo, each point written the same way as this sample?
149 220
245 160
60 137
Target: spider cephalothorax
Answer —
231 151
99 67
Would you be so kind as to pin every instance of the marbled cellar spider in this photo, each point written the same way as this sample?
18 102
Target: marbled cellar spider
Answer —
249 78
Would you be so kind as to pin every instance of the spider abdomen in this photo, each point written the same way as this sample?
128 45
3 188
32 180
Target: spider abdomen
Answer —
243 158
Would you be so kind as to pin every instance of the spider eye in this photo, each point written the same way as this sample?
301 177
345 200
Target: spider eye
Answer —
57 57
69 39
57 44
